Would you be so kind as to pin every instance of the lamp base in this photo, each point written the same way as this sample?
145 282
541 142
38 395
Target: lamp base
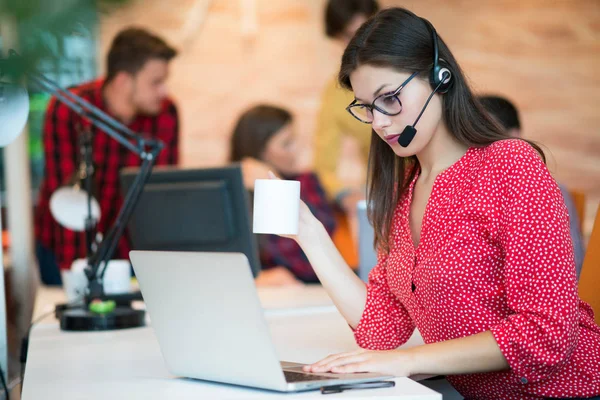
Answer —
81 319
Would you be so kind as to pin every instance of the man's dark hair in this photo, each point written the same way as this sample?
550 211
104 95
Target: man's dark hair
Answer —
340 12
502 110
132 48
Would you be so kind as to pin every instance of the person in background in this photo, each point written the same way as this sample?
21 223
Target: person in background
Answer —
134 92
507 115
263 140
342 20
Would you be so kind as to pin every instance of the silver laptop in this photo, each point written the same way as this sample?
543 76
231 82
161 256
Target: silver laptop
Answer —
367 256
210 325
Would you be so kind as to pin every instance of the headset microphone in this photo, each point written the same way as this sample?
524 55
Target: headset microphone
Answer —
440 79
408 134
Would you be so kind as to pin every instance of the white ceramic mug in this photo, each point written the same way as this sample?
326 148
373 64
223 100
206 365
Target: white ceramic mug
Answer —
276 206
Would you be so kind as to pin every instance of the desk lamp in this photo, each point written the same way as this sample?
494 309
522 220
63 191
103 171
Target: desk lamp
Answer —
14 109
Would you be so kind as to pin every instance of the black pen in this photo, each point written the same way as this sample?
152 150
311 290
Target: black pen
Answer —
356 386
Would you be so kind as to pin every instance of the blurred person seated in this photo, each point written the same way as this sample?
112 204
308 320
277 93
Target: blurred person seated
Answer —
507 115
264 140
134 92
342 20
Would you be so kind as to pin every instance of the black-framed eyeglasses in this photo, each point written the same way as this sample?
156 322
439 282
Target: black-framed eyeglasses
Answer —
387 103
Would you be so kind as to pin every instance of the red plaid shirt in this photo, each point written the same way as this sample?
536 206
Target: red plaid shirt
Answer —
278 251
62 157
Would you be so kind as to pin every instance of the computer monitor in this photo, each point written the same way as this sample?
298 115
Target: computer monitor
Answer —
192 210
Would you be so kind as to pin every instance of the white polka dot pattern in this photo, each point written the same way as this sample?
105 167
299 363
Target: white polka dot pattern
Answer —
495 254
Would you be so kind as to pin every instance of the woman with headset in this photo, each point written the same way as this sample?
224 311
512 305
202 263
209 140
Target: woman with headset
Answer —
471 230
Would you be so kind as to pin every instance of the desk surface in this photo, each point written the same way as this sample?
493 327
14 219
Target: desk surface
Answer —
286 301
128 364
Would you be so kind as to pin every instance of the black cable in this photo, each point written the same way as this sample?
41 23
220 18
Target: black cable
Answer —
430 97
4 383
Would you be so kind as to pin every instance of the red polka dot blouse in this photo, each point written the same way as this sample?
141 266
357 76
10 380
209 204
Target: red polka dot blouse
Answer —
495 254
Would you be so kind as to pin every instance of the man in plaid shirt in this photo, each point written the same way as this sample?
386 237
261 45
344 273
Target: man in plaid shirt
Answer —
134 92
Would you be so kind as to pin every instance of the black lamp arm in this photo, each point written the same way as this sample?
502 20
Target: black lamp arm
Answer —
146 148
99 260
97 117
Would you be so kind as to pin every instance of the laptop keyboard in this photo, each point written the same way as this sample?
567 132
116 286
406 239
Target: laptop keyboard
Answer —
292 377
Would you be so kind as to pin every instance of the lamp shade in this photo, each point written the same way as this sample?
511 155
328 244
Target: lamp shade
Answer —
68 206
14 109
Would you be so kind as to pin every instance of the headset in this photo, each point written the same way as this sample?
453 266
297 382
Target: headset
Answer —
440 79
440 73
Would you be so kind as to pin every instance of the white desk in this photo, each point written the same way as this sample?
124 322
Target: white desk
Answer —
128 364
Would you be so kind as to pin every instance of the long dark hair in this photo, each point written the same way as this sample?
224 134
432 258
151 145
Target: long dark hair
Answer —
254 129
399 39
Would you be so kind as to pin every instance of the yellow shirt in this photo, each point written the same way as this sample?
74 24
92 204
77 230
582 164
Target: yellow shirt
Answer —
333 123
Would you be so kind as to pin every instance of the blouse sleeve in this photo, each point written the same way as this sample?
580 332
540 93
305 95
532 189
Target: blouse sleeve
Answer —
540 333
385 323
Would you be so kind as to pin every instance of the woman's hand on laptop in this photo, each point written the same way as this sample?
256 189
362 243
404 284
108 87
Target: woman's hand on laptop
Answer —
389 362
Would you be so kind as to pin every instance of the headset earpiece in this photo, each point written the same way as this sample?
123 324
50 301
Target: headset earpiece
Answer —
440 73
